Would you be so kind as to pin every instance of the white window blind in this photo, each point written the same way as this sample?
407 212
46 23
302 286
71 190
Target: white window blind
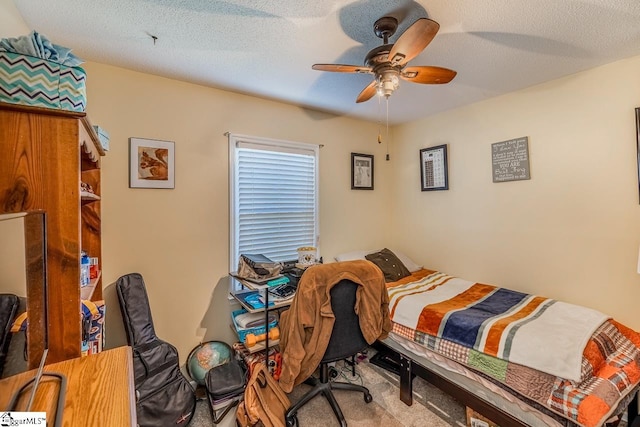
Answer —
274 206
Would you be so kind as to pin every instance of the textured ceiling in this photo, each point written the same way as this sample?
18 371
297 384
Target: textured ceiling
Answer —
266 48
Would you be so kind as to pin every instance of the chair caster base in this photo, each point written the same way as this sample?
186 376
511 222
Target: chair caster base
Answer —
292 421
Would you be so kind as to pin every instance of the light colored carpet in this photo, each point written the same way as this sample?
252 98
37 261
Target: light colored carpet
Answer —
430 406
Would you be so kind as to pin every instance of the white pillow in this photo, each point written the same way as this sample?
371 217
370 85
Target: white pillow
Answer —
351 256
408 262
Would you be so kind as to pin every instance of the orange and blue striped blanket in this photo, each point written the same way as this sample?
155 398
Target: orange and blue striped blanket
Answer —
572 360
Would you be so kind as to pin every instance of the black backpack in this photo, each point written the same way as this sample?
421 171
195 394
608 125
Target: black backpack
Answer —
164 396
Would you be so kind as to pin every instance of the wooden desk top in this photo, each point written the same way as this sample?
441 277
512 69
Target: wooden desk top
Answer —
100 390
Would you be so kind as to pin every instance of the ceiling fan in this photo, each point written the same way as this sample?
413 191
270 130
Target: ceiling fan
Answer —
388 63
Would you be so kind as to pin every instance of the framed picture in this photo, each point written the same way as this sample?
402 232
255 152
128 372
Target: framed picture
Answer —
638 146
361 171
433 168
151 163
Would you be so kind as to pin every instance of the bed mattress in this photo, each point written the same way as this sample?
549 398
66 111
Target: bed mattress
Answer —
27 80
471 381
610 360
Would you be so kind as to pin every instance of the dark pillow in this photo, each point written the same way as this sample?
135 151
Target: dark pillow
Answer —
392 268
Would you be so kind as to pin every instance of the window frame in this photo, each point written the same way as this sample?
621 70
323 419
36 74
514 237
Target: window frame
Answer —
267 144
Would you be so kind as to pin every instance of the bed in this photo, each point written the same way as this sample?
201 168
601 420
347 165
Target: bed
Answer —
518 359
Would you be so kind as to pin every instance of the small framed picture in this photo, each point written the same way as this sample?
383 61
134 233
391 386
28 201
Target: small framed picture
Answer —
638 146
433 168
361 171
151 163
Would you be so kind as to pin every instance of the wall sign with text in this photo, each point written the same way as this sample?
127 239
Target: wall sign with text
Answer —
510 160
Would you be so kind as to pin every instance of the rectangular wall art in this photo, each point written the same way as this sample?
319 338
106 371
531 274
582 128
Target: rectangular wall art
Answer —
510 160
361 171
151 163
638 144
433 168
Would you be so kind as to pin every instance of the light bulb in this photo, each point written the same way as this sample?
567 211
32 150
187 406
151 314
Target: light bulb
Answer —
387 82
395 81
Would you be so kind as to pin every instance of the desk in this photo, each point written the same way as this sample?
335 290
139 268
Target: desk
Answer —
100 390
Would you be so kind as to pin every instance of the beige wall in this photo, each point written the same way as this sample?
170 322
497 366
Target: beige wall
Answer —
13 279
11 22
572 231
179 239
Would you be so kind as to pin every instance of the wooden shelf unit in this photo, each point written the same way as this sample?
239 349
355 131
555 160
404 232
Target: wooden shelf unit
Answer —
86 292
248 286
44 155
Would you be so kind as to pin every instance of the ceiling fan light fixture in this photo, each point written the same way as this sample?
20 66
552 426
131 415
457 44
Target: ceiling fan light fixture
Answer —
388 62
397 59
388 82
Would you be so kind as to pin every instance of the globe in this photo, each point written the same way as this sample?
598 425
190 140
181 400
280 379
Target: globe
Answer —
206 356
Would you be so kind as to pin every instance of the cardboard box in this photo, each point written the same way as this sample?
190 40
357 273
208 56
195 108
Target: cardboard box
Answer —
103 136
474 419
93 320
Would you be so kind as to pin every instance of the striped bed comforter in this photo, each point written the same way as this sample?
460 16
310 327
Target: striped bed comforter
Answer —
570 359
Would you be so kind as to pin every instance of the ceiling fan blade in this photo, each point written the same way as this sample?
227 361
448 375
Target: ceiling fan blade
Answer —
341 68
413 41
428 75
367 93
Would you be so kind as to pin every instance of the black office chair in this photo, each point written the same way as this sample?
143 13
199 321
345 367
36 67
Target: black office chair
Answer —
346 341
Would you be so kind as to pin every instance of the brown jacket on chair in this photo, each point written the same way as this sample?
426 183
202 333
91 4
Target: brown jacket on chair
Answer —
306 327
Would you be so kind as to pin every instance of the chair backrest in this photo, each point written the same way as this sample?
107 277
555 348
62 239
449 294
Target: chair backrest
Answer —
346 336
136 313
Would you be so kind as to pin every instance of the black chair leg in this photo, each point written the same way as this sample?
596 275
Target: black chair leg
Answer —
325 390
334 405
349 386
312 381
319 388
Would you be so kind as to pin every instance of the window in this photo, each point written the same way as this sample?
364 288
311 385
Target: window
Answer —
274 197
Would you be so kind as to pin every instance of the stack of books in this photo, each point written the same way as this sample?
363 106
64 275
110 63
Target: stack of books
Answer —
259 263
279 289
260 283
252 299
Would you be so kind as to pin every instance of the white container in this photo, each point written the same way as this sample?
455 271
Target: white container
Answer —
84 269
307 255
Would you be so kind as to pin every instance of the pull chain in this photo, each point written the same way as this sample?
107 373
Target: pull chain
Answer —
379 121
387 158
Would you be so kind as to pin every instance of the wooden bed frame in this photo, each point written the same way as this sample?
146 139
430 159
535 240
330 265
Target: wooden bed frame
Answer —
409 367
